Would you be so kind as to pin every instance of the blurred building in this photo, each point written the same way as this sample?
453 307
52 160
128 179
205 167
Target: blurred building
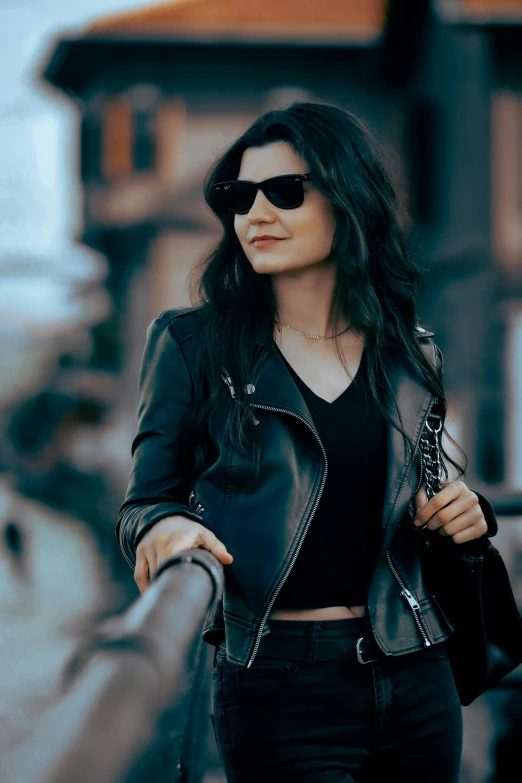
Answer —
161 91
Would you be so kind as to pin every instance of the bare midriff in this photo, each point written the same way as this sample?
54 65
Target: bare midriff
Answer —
324 613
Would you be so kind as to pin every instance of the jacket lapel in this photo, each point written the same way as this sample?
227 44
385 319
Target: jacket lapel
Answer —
275 387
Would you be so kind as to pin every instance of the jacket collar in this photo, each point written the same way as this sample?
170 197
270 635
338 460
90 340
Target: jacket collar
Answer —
274 387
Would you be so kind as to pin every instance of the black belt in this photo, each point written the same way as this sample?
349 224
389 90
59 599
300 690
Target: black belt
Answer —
325 649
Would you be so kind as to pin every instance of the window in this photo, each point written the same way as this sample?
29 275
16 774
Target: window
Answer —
117 135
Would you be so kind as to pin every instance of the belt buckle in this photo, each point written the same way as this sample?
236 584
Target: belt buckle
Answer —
359 652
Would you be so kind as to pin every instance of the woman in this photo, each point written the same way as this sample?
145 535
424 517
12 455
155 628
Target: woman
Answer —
279 424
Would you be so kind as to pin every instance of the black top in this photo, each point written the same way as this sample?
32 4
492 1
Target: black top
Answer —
335 564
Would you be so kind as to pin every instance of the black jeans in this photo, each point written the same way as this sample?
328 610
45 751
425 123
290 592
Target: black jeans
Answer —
331 721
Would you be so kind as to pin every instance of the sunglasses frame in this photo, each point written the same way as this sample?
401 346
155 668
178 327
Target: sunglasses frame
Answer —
220 186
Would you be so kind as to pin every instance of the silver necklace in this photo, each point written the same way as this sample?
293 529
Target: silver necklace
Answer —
315 336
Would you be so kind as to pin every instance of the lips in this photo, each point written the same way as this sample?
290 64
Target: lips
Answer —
263 238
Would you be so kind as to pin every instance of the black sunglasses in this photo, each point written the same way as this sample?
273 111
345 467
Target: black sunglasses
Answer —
238 196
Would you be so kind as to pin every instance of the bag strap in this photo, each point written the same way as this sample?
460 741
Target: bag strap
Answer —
431 436
430 448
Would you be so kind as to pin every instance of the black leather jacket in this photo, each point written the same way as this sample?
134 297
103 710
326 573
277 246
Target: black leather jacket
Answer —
262 521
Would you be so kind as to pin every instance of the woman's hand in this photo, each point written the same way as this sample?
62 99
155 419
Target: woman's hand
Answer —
454 511
166 539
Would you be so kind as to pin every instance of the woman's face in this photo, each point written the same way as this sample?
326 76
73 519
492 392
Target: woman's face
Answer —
304 234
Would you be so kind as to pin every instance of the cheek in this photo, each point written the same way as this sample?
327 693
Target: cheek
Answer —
241 227
315 232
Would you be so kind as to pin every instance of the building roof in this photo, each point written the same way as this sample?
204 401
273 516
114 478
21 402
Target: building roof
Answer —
277 20
481 11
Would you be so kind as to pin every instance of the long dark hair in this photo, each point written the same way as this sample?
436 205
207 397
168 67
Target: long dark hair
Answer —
377 287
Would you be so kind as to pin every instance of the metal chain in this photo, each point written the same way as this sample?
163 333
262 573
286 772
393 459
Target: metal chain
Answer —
431 456
314 336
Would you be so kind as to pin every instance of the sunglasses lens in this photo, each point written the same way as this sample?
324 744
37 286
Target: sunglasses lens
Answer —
285 193
237 197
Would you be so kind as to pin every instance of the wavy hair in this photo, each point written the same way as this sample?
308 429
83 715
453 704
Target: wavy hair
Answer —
378 283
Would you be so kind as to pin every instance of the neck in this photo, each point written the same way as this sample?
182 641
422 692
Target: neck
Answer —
304 300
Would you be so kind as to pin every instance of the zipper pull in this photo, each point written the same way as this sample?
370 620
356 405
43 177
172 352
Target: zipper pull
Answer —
228 380
410 599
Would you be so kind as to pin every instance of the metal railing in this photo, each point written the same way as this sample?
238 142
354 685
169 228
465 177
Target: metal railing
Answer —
135 694
134 680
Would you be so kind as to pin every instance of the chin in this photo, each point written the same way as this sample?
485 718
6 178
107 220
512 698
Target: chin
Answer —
265 264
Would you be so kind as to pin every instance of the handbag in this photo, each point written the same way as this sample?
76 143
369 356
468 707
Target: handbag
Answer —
470 585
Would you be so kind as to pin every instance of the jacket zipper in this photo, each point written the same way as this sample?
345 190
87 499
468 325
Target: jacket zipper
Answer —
412 602
421 476
277 590
303 534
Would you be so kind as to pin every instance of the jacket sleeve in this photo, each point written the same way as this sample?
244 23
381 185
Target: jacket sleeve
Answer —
162 449
489 514
485 505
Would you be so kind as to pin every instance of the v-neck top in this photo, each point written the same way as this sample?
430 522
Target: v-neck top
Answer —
335 564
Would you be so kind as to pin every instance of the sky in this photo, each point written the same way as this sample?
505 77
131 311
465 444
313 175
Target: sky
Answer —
39 195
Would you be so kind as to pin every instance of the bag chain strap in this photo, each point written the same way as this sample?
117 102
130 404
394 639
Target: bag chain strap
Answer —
431 456
431 467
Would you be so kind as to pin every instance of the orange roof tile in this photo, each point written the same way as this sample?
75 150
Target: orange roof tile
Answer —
362 20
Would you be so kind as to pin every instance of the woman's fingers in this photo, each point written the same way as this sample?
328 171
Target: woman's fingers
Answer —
204 540
161 544
218 549
454 511
450 502
152 559
436 503
447 514
420 499
471 520
475 531
141 571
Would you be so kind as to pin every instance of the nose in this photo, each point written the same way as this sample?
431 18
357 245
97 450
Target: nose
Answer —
261 210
